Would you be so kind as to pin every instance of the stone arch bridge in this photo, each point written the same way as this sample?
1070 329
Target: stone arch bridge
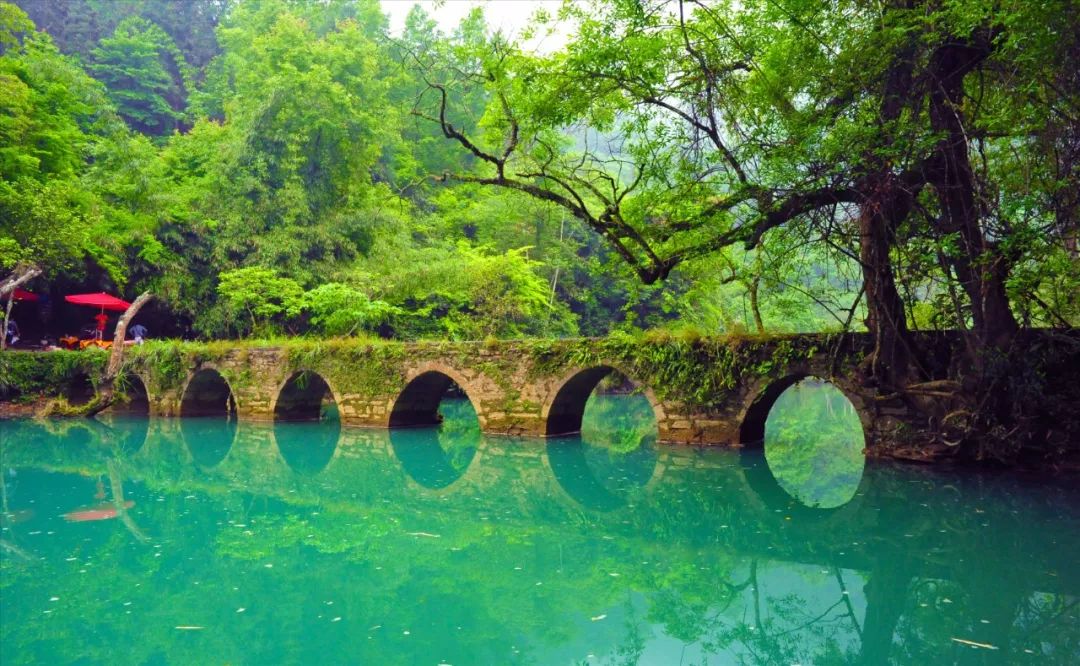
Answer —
714 391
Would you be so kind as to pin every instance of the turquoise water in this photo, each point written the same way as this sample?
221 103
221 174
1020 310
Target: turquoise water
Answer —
200 541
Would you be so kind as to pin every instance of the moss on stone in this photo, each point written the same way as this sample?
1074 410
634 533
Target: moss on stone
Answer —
27 376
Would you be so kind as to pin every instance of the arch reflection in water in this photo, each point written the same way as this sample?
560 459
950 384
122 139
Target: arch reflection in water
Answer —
306 423
208 438
307 447
209 426
813 442
436 457
615 455
128 432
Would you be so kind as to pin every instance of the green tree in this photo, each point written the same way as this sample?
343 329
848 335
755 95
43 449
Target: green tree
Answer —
257 301
52 116
134 64
695 134
337 309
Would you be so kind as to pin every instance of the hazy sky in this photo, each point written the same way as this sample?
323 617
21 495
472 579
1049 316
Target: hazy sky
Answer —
508 15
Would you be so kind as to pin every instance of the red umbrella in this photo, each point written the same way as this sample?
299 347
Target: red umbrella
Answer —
23 295
99 300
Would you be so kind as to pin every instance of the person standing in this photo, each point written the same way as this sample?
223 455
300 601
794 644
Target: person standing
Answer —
12 332
101 320
139 332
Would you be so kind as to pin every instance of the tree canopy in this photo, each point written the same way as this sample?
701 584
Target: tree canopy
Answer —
722 165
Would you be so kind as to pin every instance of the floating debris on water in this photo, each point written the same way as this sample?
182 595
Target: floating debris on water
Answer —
964 641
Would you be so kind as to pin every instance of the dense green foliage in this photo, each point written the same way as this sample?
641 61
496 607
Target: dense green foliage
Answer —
257 166
300 170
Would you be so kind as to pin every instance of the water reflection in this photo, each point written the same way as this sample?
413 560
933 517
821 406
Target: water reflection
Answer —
307 450
436 457
615 455
128 433
361 567
814 444
208 438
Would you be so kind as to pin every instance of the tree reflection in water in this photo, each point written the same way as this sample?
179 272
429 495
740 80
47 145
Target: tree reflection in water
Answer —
614 456
691 567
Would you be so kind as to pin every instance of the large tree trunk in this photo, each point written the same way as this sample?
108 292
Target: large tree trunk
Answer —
891 364
107 390
886 201
886 593
981 268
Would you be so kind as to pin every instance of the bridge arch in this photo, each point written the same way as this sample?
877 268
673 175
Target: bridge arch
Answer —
302 397
565 406
136 396
306 397
814 471
764 394
210 439
207 393
425 387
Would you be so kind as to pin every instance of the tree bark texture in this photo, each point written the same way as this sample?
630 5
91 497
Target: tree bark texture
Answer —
981 268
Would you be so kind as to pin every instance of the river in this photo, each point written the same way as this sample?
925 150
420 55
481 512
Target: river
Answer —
198 541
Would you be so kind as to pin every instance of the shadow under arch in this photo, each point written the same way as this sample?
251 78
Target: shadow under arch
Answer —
305 396
209 425
565 411
437 457
784 493
79 389
307 425
135 399
207 394
418 403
